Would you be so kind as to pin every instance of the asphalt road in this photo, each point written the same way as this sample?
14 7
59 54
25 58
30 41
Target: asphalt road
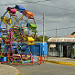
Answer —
46 69
7 70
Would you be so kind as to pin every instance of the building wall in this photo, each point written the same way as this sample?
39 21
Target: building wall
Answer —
53 50
36 49
62 50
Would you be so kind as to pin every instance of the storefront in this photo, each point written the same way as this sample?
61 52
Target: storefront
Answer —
61 47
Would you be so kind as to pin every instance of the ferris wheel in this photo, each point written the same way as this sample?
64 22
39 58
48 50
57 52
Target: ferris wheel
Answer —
17 18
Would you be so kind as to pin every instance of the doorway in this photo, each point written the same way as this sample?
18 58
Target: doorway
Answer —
64 51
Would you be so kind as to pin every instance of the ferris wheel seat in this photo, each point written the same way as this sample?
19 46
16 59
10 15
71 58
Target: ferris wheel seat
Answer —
27 13
5 18
19 8
9 8
0 40
7 41
13 11
30 39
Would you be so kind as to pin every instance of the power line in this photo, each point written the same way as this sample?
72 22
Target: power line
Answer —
35 2
57 7
66 28
11 4
48 5
61 28
58 29
27 2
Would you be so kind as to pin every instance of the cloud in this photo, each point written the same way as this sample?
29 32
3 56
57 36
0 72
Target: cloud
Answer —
58 14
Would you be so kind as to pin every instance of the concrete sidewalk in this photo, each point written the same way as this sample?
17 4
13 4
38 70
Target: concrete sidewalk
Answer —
8 70
62 61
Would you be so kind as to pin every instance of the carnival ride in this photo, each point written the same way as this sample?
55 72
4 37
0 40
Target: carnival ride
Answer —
18 31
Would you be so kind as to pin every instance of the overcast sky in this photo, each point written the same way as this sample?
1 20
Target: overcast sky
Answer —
59 14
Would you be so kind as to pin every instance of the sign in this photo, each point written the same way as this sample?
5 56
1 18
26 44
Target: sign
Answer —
52 45
61 40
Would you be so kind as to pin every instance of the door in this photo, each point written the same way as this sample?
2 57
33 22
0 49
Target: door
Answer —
64 51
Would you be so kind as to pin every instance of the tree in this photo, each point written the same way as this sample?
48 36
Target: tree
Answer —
72 33
40 38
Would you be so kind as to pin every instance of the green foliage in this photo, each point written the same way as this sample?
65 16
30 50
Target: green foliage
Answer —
40 38
4 37
72 33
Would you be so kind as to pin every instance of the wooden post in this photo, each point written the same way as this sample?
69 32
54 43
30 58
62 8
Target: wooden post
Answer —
32 60
40 59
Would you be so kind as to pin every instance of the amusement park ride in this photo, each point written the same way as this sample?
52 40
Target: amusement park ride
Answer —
18 31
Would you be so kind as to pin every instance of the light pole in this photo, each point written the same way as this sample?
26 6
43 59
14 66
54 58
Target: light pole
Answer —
43 32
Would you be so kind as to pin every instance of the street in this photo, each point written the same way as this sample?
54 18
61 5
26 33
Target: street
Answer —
46 69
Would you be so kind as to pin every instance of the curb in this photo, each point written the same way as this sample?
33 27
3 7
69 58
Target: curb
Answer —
12 70
61 63
18 73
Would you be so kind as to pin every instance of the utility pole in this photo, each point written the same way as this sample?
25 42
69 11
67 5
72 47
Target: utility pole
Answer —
56 32
43 31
